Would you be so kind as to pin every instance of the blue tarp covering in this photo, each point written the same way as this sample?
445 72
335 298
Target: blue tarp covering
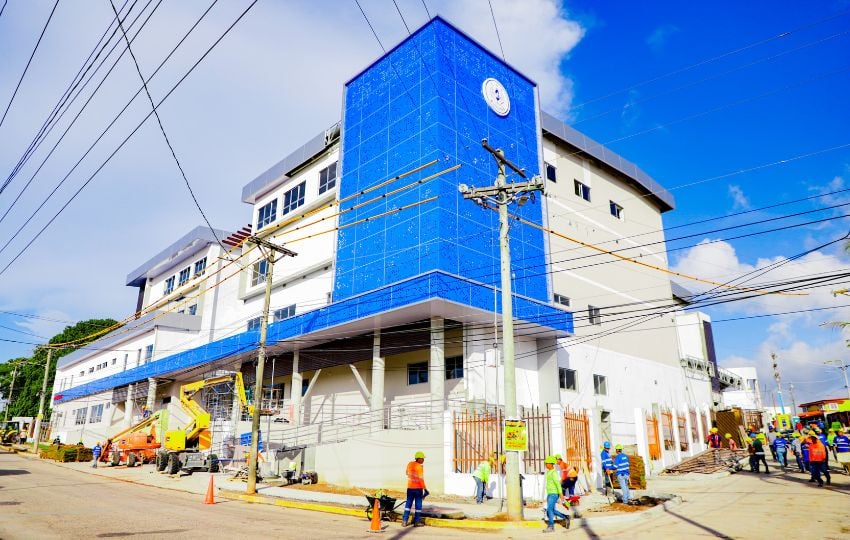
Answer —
433 285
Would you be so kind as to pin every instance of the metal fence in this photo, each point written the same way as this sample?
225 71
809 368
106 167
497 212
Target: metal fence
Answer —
577 439
652 439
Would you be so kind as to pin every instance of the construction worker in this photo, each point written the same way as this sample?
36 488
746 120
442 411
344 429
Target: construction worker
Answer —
780 446
771 440
554 494
415 490
714 440
817 460
830 438
621 463
607 465
95 452
481 474
730 442
758 453
797 449
841 442
569 475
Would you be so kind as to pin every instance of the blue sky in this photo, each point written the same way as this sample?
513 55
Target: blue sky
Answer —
688 91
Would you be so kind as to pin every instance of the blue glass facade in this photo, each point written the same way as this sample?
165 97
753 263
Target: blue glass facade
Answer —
420 102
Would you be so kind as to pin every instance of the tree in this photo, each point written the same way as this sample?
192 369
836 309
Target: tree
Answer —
30 370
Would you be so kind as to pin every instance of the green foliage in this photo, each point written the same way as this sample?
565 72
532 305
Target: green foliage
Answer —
30 370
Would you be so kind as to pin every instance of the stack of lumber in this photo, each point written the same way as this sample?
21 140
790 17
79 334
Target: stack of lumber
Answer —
710 461
637 473
67 453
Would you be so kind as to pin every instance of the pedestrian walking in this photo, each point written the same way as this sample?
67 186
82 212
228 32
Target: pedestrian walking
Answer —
95 452
771 441
830 438
817 460
416 491
730 442
797 449
758 453
554 494
481 474
607 464
780 446
621 463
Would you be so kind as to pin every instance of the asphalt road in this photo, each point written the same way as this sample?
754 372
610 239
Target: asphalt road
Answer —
41 500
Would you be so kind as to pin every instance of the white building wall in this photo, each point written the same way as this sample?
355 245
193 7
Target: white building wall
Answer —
749 397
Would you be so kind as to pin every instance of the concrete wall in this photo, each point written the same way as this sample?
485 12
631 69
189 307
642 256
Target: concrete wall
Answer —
379 460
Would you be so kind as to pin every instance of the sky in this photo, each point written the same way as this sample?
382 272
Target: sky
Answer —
733 107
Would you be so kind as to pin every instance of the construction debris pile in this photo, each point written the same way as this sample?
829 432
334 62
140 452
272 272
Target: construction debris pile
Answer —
67 453
710 461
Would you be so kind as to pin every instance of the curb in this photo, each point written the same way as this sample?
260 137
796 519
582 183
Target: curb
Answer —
454 523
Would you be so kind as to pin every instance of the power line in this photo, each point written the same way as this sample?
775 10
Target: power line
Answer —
121 145
370 26
402 17
496 27
40 134
162 128
27 67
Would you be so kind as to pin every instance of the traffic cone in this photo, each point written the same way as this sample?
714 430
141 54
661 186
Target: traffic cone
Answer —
210 498
375 525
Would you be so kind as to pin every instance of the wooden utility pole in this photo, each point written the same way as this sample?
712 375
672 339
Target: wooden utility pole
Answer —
502 194
11 391
40 416
268 250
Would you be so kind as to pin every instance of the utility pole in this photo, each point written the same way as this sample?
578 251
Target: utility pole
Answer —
268 250
503 194
38 418
793 401
840 364
778 381
11 390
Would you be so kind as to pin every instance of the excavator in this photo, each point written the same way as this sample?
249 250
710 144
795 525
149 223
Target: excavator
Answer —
184 449
138 443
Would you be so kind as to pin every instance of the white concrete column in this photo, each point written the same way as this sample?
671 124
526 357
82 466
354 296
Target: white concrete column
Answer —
708 417
448 443
689 429
151 401
677 448
295 391
128 406
700 432
595 447
378 371
556 415
437 369
642 441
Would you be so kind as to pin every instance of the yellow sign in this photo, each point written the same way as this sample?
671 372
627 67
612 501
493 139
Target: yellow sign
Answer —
784 422
516 436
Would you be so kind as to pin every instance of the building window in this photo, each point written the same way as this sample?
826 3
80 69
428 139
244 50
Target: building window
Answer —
91 369
417 373
266 214
454 367
98 367
80 416
616 210
293 198
327 178
284 313
126 356
169 286
567 379
551 172
600 385
96 414
582 190
254 324
114 361
258 272
148 353
193 309
594 315
562 300
200 267
305 384
82 373
184 276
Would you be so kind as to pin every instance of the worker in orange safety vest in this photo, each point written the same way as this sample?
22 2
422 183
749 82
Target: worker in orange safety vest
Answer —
415 491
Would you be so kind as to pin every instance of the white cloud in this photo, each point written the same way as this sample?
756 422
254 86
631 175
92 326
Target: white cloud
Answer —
739 200
659 37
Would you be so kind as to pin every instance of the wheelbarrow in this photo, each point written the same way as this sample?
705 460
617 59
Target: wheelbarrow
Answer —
386 505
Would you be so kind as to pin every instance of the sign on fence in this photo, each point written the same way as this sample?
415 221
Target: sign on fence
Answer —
516 436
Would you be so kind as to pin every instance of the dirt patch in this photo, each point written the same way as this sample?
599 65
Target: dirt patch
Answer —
644 503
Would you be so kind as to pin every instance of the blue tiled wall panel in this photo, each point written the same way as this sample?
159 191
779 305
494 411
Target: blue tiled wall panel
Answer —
431 285
423 101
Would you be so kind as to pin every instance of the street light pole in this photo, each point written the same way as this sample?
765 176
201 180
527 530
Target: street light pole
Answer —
503 194
38 418
778 381
843 367
261 243
11 392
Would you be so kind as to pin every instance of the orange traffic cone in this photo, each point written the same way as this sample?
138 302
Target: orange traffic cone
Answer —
210 498
375 525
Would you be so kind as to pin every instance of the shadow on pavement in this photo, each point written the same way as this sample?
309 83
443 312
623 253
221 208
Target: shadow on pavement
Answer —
796 478
713 532
140 533
13 472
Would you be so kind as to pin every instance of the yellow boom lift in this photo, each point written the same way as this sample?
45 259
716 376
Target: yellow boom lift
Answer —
184 450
